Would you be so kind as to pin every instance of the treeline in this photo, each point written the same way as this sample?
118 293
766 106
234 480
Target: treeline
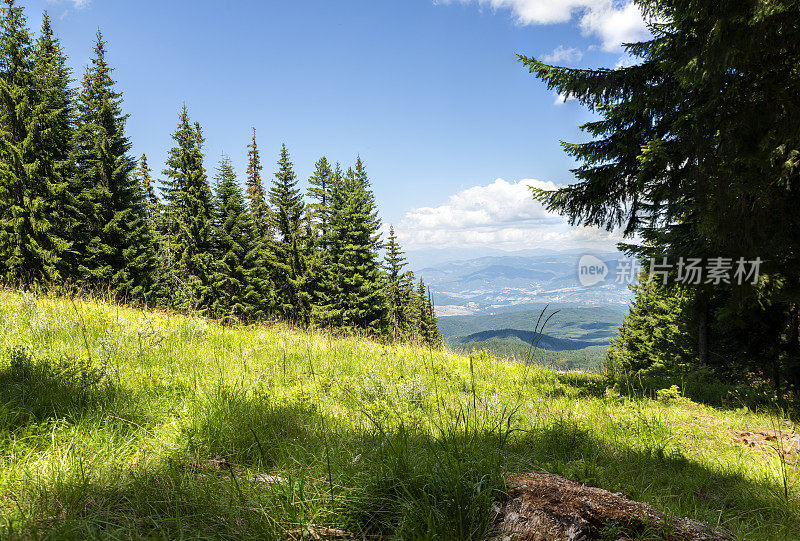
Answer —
78 212
697 152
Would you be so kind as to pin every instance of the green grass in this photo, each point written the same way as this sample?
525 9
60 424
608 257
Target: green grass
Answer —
105 413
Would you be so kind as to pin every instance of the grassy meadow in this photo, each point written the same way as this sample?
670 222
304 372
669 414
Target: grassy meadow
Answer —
119 423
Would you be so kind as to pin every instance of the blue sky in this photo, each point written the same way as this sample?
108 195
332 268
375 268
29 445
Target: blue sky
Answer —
429 93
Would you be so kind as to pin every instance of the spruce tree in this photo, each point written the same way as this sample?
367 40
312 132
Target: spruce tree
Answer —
118 243
35 125
394 263
319 186
152 203
255 189
154 209
358 298
325 308
261 234
696 150
286 213
427 327
423 321
234 294
55 144
434 336
408 306
189 219
650 340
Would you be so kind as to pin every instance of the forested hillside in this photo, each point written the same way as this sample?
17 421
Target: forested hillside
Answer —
79 213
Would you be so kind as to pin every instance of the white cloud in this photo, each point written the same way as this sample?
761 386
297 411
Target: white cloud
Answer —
614 25
562 98
612 21
501 215
77 4
562 54
626 61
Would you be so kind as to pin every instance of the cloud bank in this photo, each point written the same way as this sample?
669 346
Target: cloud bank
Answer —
502 215
613 22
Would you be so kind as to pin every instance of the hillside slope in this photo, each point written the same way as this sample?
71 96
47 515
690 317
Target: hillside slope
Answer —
121 423
576 337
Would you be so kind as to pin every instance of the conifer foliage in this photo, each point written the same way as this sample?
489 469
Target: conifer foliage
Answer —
76 210
286 216
357 277
33 172
118 244
234 292
189 217
255 189
696 151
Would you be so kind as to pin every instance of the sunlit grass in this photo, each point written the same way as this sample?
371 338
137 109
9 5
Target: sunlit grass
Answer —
108 414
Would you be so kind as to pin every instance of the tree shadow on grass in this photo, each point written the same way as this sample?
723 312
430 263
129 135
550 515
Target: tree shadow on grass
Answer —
272 480
390 479
664 477
409 480
34 390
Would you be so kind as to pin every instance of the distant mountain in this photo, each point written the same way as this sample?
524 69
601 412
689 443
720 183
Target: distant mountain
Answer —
576 337
493 284
541 341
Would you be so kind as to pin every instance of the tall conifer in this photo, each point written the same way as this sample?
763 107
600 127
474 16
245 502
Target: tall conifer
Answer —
358 282
189 218
152 203
286 215
234 293
118 243
319 186
255 189
34 149
394 264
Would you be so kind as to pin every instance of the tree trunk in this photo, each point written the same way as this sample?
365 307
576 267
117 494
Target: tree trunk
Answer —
793 365
702 329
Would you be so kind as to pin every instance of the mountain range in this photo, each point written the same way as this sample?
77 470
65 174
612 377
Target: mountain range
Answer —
498 283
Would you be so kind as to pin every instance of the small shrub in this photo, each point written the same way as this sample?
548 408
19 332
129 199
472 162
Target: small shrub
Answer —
414 390
671 395
193 329
373 387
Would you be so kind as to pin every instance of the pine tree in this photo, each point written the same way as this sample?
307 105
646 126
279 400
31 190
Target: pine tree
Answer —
118 243
423 321
234 294
394 263
434 336
35 130
696 150
319 185
286 212
358 282
189 218
259 210
54 144
152 203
